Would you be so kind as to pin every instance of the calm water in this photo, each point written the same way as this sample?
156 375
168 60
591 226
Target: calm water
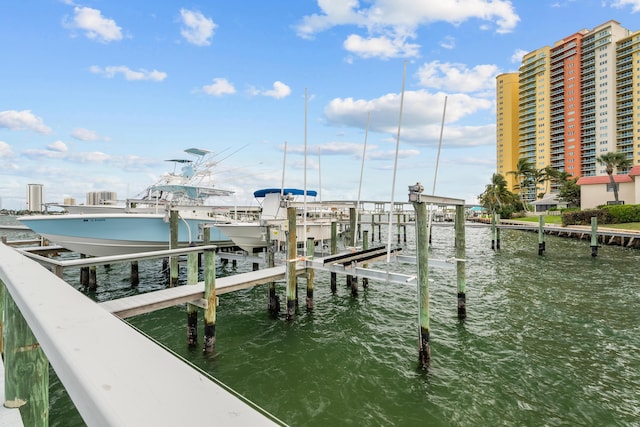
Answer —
551 340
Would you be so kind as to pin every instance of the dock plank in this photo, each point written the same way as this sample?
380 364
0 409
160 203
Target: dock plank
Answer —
164 298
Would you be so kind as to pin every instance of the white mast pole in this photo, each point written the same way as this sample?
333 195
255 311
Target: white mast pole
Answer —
364 152
395 164
304 210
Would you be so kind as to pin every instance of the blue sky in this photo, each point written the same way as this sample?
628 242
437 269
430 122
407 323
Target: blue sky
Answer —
96 95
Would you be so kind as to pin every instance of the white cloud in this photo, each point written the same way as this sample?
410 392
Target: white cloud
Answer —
87 135
128 73
381 47
279 91
5 149
58 146
333 148
95 26
78 157
398 20
619 4
517 56
421 119
448 42
198 29
457 77
219 87
23 120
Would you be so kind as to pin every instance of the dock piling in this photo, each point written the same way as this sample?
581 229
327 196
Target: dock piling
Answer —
594 236
422 247
173 269
192 310
541 243
334 250
135 273
84 273
210 296
365 246
93 281
291 264
460 245
310 274
497 231
274 301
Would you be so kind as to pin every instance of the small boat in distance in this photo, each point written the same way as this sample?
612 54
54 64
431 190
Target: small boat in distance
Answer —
251 236
143 223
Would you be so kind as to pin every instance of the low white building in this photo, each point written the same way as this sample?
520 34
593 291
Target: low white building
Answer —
597 190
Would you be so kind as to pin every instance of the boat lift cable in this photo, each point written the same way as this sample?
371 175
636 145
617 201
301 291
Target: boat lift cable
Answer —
395 164
188 228
435 177
232 153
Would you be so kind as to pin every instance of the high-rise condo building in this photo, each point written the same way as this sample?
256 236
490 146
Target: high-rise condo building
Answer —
570 103
35 197
101 197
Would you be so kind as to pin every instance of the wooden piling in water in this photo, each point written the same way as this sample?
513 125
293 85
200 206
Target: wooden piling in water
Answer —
274 301
93 280
334 238
310 274
173 269
192 310
135 273
26 380
334 250
541 243
373 227
493 231
460 245
352 281
422 246
365 246
352 226
291 263
212 300
594 236
84 273
497 231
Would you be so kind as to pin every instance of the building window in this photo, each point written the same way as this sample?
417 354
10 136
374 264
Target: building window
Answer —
610 187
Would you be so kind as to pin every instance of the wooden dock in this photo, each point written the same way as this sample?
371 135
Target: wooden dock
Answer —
606 236
194 294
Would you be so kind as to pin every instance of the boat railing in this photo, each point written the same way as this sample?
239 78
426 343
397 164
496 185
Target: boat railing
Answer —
114 375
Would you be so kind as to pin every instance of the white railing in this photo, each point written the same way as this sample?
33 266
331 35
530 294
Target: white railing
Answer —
114 375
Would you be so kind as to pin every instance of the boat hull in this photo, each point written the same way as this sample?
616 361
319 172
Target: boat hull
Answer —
115 234
253 236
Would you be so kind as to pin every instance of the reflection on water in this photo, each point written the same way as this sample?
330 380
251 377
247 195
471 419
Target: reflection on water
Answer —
548 340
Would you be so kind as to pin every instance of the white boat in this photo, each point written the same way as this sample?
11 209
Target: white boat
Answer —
252 235
143 224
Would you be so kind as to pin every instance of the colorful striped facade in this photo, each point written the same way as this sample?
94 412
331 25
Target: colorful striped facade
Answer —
571 103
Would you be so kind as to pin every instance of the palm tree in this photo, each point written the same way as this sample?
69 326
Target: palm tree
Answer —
522 175
496 194
614 161
551 176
